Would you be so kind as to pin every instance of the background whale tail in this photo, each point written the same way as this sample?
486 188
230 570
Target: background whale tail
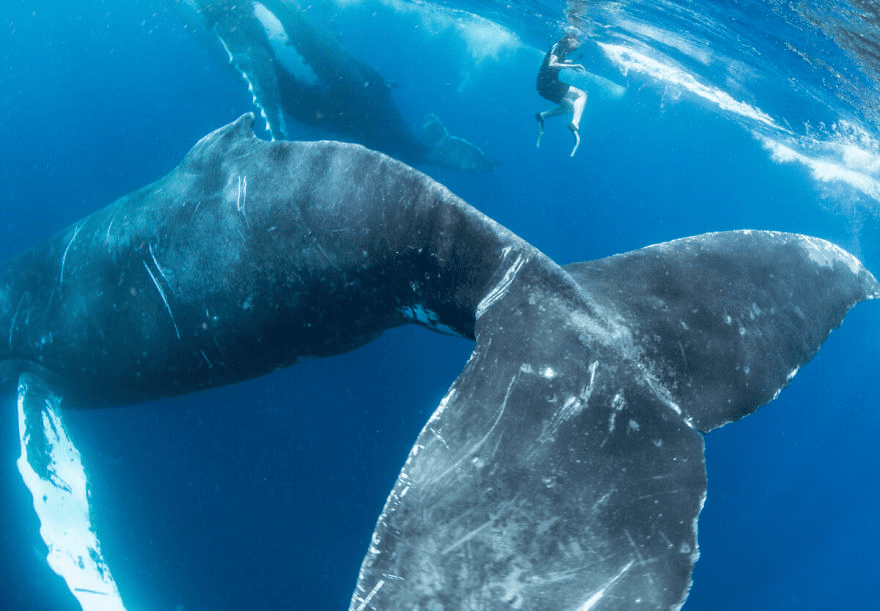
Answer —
448 151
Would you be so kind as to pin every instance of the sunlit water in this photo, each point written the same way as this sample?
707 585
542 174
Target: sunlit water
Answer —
701 117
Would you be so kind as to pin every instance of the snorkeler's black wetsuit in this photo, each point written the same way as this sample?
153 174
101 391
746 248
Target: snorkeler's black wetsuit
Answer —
548 83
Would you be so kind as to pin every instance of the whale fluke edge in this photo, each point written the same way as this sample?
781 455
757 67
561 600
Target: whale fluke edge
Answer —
564 468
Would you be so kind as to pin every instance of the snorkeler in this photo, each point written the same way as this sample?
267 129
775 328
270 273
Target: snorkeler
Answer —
569 99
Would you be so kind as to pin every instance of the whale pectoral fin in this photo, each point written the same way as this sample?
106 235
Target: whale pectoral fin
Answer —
548 478
252 57
52 470
723 321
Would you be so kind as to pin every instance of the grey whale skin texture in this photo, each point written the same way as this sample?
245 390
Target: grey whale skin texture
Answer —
564 468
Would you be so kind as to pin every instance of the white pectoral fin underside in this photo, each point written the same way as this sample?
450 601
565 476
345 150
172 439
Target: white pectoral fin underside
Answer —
52 470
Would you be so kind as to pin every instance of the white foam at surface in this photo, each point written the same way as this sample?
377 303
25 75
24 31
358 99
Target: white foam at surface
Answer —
836 160
630 60
849 156
667 38
485 39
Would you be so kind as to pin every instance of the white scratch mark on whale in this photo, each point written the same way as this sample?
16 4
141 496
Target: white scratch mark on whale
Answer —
164 299
476 446
595 598
467 537
369 597
66 250
15 317
156 263
241 202
501 288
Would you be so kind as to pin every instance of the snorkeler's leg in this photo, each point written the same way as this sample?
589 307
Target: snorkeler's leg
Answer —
578 100
577 140
562 109
540 119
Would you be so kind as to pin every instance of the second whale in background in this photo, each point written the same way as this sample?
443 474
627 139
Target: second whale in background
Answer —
297 68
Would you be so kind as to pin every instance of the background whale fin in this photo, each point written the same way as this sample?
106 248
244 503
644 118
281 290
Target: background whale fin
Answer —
723 321
52 470
451 151
251 54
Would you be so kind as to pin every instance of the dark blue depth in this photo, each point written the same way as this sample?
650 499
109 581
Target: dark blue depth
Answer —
264 495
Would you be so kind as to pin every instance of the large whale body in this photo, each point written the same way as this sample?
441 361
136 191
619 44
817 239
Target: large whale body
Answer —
296 68
564 468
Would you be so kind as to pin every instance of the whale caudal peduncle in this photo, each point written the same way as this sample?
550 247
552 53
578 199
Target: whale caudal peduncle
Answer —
280 251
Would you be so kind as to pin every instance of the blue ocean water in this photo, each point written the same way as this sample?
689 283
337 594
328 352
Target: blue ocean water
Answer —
701 117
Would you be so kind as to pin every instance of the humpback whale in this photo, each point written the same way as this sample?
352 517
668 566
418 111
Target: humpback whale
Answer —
564 468
296 68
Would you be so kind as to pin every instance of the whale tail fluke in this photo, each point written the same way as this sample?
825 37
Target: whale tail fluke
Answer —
452 152
772 300
576 480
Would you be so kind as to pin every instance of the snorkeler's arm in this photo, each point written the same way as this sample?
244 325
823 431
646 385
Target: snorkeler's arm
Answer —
555 64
